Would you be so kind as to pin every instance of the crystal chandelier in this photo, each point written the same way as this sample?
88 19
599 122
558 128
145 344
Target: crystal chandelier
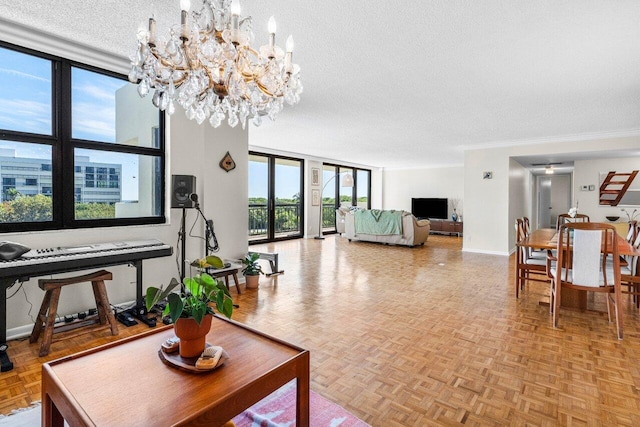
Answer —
207 65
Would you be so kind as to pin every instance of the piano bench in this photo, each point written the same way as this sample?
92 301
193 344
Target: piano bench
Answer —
47 315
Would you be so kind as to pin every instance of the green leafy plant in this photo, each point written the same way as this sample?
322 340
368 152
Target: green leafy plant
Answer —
251 266
200 292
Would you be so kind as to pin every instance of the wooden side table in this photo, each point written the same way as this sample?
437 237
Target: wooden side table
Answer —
126 383
225 273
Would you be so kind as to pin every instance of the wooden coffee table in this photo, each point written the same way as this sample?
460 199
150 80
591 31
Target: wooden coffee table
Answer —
126 383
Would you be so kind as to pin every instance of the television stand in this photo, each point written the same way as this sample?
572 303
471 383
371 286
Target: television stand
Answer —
446 226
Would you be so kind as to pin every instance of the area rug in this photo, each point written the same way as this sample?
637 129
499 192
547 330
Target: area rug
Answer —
276 410
279 410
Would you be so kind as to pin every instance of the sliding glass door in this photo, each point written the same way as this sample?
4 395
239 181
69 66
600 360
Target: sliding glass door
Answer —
334 195
275 197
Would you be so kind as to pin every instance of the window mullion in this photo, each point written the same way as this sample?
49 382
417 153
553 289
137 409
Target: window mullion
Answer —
63 175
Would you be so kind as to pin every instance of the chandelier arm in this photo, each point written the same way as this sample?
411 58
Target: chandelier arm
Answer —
177 83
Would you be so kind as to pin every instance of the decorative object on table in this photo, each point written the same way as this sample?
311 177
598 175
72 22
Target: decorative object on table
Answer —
612 218
252 270
190 310
227 163
630 216
171 345
209 358
210 261
208 67
573 212
454 206
212 357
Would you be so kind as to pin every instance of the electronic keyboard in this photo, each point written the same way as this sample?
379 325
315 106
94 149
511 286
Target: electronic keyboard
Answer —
43 262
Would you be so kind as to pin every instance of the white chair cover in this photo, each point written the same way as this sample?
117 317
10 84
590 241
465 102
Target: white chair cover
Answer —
587 245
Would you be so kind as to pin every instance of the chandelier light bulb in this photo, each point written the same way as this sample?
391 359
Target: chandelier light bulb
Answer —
235 7
210 69
272 25
289 44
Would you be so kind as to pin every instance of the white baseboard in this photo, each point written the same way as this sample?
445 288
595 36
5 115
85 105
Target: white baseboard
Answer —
25 331
475 251
19 332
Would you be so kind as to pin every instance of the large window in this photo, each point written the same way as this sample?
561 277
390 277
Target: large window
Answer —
334 195
78 146
275 202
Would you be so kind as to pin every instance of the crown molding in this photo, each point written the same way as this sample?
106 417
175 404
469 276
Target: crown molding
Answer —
551 139
45 42
438 166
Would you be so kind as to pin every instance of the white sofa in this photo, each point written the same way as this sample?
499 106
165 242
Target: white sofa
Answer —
414 232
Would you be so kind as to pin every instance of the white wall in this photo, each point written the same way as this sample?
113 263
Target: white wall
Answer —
520 190
400 186
312 213
487 220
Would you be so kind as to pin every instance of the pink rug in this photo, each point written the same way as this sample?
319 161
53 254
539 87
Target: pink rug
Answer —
279 410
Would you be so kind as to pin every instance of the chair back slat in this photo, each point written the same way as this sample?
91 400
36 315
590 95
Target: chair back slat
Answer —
586 268
567 219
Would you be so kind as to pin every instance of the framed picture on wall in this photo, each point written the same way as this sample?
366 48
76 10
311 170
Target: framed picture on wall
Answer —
315 197
315 176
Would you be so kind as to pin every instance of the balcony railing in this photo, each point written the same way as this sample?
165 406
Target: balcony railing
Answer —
287 220
328 217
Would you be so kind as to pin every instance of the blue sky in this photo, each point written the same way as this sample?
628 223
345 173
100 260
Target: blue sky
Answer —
287 180
25 105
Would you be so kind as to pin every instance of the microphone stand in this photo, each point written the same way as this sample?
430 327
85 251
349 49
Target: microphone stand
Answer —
208 225
183 248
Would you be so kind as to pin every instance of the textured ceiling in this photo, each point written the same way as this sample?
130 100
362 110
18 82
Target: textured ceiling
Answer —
410 84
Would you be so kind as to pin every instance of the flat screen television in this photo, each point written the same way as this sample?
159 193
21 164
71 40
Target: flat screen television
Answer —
430 208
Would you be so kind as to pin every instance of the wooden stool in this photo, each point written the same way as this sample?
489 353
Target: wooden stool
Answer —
229 271
47 315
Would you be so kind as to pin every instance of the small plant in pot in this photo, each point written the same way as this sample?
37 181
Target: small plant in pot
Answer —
191 311
251 270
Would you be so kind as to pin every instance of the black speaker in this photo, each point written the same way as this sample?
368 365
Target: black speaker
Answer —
181 188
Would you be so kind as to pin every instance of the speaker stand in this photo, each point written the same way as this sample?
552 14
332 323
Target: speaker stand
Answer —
183 248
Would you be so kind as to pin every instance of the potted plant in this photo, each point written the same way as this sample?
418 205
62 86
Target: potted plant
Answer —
251 270
191 310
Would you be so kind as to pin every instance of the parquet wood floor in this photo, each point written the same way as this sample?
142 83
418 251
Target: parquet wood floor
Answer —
421 336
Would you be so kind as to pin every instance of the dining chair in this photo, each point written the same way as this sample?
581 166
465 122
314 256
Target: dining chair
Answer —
633 231
580 266
528 266
566 218
630 274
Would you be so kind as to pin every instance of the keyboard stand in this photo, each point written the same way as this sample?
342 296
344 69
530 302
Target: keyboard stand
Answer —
6 364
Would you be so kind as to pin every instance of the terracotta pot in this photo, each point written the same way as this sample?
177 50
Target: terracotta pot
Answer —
252 281
193 337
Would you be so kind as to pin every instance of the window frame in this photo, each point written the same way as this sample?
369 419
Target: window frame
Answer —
271 190
336 188
63 147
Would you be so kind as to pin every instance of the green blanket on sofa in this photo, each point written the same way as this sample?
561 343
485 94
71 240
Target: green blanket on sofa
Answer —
378 222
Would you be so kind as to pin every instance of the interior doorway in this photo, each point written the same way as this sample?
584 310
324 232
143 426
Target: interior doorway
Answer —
554 198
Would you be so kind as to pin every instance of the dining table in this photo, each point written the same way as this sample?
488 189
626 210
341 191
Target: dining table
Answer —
547 239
